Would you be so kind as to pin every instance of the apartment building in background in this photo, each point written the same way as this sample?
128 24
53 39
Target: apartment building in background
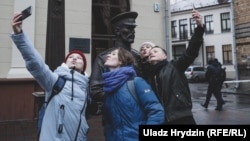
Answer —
218 37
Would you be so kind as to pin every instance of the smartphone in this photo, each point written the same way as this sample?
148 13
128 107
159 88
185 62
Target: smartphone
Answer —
26 13
193 10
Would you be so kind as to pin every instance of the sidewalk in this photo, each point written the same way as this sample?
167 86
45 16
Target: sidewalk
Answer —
27 130
233 90
18 131
235 111
243 87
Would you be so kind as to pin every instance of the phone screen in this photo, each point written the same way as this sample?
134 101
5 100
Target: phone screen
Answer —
25 13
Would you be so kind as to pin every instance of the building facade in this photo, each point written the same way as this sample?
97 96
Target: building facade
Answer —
218 37
82 23
79 23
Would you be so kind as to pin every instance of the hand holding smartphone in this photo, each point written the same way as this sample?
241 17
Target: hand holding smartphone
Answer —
197 16
194 17
26 13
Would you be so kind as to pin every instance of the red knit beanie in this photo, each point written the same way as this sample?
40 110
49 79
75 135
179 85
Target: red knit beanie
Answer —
81 54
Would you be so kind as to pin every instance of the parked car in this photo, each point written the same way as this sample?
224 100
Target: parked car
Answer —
196 73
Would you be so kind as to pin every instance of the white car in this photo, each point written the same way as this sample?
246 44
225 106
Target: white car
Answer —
196 73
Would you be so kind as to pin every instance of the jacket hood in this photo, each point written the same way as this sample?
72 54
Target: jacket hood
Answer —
79 78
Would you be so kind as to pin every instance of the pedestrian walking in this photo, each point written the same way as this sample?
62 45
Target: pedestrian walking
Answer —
169 81
64 118
215 76
123 111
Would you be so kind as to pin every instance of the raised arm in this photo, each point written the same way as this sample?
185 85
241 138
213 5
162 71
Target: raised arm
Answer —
194 45
33 61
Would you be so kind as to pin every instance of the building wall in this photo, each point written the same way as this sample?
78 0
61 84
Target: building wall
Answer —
241 11
151 25
242 20
77 25
17 101
242 28
6 8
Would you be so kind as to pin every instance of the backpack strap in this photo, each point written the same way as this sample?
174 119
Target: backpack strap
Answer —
131 87
58 86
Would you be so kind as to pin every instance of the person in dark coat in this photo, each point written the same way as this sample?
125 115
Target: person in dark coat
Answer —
124 29
213 75
168 78
123 113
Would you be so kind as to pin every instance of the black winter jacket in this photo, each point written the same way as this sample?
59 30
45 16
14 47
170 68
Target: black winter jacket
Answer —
170 83
213 73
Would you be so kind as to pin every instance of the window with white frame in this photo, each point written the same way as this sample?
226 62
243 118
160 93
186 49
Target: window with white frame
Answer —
178 50
183 29
193 25
173 29
225 22
209 24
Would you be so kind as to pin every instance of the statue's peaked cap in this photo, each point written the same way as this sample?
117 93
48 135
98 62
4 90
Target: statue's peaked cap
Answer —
131 15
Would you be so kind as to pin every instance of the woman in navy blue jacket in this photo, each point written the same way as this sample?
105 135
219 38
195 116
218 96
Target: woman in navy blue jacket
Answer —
122 113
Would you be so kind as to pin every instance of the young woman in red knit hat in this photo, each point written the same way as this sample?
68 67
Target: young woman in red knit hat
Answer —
64 118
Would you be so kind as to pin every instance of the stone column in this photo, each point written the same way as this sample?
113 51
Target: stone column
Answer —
55 38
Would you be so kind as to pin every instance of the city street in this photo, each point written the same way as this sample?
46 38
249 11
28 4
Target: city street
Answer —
235 111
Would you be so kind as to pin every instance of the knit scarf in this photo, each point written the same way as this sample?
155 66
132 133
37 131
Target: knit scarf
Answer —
157 67
113 80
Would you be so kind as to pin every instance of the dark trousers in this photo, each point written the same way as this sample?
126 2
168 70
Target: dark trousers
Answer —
214 88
